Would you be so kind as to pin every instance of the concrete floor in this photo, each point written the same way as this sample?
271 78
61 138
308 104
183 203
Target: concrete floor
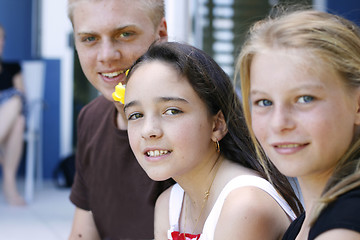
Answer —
48 217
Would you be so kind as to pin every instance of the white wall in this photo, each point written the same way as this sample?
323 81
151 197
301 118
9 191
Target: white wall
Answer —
55 28
177 14
320 5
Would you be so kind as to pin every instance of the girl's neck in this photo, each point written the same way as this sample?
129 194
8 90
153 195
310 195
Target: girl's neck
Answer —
199 180
196 202
311 189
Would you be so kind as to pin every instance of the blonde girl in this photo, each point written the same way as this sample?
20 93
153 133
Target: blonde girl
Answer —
300 81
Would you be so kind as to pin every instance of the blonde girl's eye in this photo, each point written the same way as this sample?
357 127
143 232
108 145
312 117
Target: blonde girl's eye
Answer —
135 116
263 103
305 99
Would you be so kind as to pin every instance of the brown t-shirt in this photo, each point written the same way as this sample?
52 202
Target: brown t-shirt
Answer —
109 181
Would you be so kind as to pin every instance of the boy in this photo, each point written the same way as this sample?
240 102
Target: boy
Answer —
114 197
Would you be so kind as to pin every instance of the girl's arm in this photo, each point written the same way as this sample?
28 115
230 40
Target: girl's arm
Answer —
161 222
336 234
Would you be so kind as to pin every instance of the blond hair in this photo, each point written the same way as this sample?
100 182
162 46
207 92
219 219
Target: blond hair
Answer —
155 9
335 43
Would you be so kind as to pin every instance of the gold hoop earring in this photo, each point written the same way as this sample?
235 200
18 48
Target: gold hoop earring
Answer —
217 146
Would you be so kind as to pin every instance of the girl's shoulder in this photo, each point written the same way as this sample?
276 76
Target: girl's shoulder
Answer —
161 222
253 210
164 197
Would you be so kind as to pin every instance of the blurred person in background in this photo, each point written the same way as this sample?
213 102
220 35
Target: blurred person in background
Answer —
12 124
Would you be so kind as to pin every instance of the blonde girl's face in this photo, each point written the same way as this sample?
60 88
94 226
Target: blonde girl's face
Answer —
169 126
304 118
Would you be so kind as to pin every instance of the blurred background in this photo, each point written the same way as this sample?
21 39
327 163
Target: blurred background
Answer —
39 36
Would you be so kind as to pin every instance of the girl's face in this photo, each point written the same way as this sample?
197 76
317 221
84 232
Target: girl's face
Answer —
169 126
304 119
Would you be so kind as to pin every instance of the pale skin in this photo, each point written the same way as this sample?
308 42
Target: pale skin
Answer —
296 111
166 114
12 129
108 39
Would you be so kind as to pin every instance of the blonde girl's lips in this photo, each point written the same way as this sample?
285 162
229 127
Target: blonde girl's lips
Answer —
287 145
289 148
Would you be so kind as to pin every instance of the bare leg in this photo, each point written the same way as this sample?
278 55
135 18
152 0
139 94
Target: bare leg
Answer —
12 151
9 111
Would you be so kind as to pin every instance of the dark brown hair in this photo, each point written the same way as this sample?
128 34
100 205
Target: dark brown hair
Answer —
215 88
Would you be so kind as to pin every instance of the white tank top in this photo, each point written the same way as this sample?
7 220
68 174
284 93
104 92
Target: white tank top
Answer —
177 195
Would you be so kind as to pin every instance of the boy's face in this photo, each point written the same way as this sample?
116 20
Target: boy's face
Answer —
109 36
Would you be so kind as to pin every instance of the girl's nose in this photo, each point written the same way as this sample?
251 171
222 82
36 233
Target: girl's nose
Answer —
152 128
282 119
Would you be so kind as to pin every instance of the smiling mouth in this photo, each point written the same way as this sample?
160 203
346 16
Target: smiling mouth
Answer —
157 153
288 146
112 74
292 145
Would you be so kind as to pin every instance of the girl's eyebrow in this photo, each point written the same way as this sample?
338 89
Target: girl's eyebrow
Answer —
130 104
318 86
160 99
168 99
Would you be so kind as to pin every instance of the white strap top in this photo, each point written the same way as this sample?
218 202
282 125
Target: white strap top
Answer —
177 195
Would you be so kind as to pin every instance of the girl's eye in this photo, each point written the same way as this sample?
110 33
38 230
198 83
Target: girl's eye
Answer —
135 116
172 111
305 99
264 103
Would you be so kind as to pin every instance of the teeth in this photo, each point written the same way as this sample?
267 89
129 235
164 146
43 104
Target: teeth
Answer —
156 153
288 146
113 74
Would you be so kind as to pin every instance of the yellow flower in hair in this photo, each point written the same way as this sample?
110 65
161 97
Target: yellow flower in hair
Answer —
119 94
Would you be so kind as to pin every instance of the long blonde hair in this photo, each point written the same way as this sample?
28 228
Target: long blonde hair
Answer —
334 42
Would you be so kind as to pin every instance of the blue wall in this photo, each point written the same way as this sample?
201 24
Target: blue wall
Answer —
349 9
51 117
15 16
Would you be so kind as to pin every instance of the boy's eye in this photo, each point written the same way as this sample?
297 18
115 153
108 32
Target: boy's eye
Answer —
305 99
264 103
125 34
135 116
172 111
88 39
